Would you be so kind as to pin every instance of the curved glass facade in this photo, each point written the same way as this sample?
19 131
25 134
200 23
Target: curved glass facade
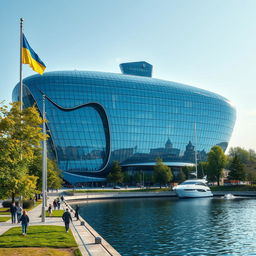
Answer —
95 118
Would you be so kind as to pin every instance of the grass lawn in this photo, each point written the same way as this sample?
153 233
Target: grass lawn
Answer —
38 236
4 211
39 252
4 219
55 213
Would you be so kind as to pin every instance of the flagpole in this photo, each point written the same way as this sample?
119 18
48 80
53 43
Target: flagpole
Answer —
21 89
44 174
21 46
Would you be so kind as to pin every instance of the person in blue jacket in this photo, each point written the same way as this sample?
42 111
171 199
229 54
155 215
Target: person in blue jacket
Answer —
24 219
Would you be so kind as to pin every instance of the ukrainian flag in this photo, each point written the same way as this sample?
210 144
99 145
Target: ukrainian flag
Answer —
31 58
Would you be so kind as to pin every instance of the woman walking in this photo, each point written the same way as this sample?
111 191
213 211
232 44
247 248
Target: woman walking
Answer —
24 219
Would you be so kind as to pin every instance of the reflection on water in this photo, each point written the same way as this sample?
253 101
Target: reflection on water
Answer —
205 226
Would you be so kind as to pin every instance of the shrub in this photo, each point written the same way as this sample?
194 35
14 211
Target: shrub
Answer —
77 252
6 204
28 204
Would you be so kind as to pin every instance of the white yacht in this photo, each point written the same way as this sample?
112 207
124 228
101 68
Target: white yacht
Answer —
193 188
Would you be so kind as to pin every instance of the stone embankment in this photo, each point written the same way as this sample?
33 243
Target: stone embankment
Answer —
73 198
115 195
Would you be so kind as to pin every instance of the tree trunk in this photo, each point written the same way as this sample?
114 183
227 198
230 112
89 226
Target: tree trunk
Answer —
13 197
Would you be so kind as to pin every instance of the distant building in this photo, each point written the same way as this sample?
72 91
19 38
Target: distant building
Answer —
95 118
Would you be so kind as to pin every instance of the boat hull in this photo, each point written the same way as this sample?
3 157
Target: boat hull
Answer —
181 193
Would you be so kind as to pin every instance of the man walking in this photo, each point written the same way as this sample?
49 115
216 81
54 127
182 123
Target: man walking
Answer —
77 212
13 210
66 218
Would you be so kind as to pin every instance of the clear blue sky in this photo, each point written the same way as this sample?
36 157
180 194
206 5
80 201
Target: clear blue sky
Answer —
205 43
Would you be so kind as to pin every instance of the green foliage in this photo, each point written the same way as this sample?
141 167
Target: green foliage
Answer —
38 236
181 176
250 174
127 178
25 204
236 169
116 175
216 162
243 154
28 204
202 169
162 173
187 170
54 180
77 252
248 159
20 137
252 154
7 204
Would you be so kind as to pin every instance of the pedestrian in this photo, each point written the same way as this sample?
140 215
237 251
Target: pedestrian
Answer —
62 198
50 210
66 218
77 212
54 204
19 212
24 222
13 210
58 203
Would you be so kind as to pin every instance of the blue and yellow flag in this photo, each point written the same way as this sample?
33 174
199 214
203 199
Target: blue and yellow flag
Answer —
31 58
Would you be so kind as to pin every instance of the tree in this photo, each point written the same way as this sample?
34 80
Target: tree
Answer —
181 176
187 170
243 154
250 175
116 175
54 180
202 169
20 137
162 173
252 154
216 162
236 169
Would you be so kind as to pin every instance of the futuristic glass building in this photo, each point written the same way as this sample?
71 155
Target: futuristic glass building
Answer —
95 118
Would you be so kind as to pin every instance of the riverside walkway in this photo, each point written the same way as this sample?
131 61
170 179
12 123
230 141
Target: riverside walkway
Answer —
84 235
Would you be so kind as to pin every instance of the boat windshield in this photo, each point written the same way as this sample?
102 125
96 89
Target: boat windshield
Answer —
193 182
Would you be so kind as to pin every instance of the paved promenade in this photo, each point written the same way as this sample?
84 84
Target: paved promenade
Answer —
84 234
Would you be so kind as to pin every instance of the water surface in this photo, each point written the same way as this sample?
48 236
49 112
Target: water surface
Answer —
166 226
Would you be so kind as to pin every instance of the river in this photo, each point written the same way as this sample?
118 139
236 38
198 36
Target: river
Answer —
170 226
